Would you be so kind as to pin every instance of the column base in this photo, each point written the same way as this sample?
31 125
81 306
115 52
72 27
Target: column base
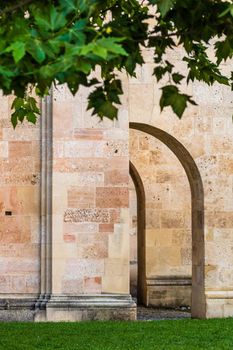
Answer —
86 308
17 309
170 292
219 304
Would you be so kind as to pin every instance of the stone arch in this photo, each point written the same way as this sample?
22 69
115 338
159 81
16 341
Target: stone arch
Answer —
141 241
198 308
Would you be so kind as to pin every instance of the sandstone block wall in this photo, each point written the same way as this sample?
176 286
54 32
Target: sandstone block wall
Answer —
89 195
90 200
19 205
206 131
168 220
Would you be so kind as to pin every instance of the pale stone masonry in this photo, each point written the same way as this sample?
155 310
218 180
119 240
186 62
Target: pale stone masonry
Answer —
71 220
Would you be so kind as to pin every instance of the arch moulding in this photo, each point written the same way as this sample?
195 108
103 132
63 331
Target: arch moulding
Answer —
141 239
198 308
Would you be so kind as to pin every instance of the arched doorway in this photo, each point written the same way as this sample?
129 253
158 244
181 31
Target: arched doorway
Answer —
197 202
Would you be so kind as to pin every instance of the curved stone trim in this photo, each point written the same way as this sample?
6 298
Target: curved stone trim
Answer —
197 193
141 239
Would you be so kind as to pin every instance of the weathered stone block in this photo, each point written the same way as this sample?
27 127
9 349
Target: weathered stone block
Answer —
88 215
114 197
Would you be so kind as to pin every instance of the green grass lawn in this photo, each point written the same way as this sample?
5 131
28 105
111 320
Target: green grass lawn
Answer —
177 334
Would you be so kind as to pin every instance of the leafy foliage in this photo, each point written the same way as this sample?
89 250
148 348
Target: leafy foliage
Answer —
64 41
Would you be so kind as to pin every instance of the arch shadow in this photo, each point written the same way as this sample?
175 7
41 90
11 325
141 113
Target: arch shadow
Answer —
198 305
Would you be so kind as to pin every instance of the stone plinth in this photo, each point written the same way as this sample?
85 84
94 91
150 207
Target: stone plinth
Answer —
169 291
17 309
87 308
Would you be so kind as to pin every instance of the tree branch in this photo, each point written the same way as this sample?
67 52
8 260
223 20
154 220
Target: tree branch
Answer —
15 7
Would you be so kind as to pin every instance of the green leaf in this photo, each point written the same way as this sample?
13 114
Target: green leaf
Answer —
83 66
87 48
100 51
163 5
83 5
24 107
57 19
17 49
14 119
177 78
42 21
130 65
108 110
113 96
179 104
18 115
35 49
31 117
172 97
224 49
4 71
33 104
17 103
227 10
68 5
160 71
21 114
111 45
50 20
80 24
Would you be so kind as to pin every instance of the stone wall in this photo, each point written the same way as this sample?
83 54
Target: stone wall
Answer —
70 236
168 221
19 206
206 132
90 200
80 213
